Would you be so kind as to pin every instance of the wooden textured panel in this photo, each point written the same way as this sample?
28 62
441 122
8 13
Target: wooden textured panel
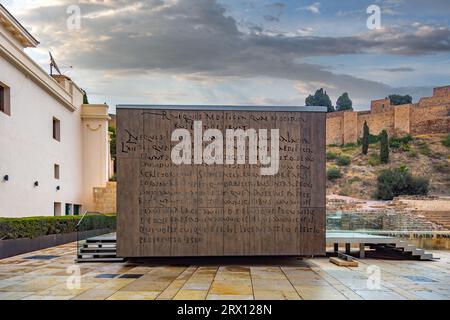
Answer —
263 199
129 143
210 196
236 194
203 209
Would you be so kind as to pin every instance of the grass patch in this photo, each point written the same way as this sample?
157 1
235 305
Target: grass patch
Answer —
349 147
353 180
412 154
442 167
446 141
374 160
424 149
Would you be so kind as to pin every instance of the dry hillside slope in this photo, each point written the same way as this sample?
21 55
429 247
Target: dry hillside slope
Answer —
425 156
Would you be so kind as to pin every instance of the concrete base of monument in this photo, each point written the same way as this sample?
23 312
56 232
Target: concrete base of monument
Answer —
370 244
391 246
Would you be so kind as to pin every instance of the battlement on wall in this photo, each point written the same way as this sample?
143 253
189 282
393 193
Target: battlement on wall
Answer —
429 115
441 91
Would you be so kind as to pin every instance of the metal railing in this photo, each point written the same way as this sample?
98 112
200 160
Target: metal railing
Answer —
378 222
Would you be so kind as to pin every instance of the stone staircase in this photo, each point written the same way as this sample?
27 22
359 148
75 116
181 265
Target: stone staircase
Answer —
388 220
401 246
441 218
98 249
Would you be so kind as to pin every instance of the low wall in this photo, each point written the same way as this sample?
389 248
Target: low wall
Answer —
13 247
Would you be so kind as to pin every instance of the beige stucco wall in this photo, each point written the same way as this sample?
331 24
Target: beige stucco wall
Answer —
95 138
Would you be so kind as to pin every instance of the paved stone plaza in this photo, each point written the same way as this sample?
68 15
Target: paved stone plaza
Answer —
42 275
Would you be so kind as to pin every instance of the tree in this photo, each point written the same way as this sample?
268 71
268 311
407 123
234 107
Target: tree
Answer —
384 147
397 99
365 139
320 98
344 103
113 144
85 98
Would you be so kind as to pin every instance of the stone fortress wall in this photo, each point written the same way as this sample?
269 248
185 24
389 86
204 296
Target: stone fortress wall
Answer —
429 115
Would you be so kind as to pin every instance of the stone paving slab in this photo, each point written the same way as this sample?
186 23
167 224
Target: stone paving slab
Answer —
271 278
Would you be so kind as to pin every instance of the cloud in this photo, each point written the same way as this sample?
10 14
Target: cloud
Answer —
400 69
199 41
271 18
313 8
415 39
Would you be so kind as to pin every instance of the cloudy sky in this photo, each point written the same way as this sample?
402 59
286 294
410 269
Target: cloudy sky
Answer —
242 51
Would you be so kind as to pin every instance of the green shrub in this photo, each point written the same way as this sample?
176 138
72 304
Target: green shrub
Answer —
384 147
405 147
32 227
399 181
343 160
446 141
333 173
403 140
394 144
332 155
401 143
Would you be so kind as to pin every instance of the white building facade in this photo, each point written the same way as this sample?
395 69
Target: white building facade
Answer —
53 149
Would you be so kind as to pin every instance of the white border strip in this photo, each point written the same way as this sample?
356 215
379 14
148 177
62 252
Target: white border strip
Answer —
225 108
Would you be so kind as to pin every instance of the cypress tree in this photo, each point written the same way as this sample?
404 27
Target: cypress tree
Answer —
384 147
365 139
85 98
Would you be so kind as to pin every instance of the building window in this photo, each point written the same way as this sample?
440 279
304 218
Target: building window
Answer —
5 106
68 210
57 209
56 171
56 129
76 209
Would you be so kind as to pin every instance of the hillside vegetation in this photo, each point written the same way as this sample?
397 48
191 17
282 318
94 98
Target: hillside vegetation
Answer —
351 173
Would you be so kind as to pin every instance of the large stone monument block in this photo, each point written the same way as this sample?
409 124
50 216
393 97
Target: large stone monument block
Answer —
221 208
